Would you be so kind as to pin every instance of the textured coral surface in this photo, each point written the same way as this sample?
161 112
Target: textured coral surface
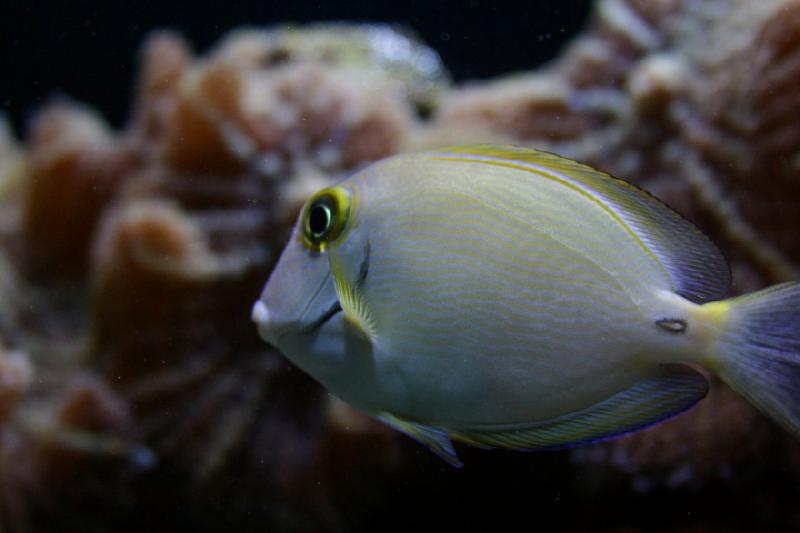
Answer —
134 391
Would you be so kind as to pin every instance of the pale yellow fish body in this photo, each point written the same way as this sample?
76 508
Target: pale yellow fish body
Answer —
499 296
508 282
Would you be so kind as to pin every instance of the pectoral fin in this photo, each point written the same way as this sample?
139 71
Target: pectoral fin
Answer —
434 438
349 274
652 400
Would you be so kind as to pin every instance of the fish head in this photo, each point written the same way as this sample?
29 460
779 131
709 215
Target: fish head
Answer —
300 311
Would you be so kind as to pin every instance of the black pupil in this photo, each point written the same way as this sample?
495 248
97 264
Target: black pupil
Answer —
319 219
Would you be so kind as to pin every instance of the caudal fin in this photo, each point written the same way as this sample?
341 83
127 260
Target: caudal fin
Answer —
760 351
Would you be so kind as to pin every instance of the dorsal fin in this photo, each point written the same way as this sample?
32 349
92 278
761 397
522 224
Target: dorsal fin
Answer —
696 267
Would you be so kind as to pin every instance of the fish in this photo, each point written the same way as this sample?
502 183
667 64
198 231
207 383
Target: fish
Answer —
506 297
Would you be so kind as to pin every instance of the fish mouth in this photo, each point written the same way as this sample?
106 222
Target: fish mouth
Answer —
334 310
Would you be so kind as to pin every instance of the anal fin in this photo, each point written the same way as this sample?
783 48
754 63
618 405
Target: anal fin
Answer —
675 389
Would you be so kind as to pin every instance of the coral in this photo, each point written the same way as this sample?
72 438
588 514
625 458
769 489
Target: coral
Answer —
270 101
51 436
16 374
74 167
134 390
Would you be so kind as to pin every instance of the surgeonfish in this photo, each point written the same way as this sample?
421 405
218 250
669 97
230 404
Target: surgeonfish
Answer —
511 298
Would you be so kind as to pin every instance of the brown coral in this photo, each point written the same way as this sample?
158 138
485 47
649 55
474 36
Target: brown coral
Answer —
243 108
16 374
75 165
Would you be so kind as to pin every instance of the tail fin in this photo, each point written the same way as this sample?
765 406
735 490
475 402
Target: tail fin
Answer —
760 351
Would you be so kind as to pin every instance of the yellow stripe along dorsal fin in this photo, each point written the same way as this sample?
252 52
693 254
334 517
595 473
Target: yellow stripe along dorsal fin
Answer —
695 266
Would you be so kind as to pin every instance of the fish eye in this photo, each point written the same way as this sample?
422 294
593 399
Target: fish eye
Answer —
319 220
325 216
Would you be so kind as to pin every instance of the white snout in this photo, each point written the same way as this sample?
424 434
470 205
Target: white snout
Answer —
260 314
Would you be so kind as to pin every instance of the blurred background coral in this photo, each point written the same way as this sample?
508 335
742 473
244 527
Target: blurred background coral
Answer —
152 163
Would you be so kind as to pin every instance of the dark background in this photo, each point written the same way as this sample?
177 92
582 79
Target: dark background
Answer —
88 50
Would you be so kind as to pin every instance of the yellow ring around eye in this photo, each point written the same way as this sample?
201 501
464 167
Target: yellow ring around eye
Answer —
324 217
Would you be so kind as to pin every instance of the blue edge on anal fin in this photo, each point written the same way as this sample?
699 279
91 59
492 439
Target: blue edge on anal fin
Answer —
676 389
